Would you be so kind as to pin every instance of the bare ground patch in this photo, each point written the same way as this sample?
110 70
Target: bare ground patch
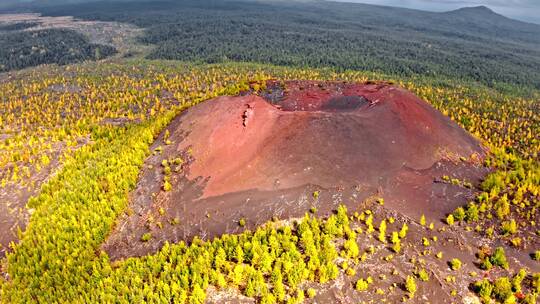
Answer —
120 35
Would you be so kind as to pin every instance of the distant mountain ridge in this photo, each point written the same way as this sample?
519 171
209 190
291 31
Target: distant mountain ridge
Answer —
483 12
480 9
484 19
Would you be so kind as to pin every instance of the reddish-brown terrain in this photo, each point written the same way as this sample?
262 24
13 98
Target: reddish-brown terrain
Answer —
296 146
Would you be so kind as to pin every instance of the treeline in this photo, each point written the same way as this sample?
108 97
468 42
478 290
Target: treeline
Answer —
21 49
17 26
474 44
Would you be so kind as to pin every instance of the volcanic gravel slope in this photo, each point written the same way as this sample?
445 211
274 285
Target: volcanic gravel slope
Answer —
263 156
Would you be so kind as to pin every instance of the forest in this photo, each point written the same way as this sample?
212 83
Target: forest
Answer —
21 49
17 26
471 44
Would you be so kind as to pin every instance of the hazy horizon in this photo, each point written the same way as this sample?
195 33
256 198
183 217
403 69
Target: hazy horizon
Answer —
523 10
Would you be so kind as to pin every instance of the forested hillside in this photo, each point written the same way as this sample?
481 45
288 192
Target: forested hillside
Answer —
21 49
473 43
17 26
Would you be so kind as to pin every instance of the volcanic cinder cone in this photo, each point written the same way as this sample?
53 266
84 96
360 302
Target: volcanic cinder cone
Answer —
363 134
255 157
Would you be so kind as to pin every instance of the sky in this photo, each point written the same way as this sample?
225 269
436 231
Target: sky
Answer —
525 10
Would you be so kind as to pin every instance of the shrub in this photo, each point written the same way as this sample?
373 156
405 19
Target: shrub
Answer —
198 295
486 264
403 231
536 282
455 264
489 232
369 224
332 227
484 289
536 255
146 237
361 285
167 171
450 219
502 207
502 289
242 222
397 247
395 237
459 214
351 248
410 285
423 275
167 186
530 299
499 258
471 215
382 231
239 254
509 227
516 242
517 279
422 220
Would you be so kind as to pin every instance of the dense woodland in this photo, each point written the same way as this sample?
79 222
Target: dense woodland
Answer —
473 43
17 26
21 49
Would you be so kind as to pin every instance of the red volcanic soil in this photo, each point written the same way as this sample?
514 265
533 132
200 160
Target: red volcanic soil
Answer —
257 157
361 134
